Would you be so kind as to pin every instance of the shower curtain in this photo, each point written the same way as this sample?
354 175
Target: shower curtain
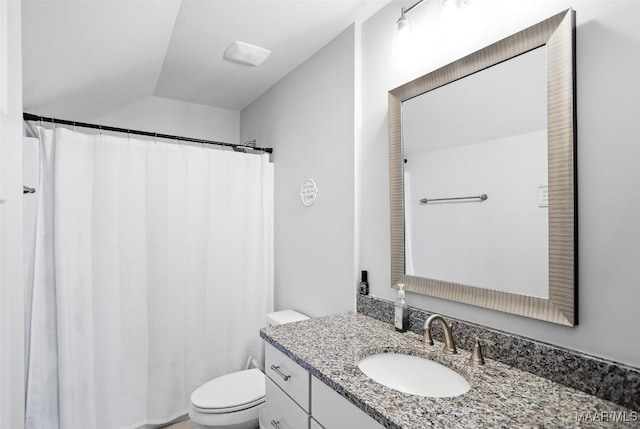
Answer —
153 273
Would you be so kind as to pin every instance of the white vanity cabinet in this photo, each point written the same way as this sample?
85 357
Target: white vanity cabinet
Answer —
281 412
296 400
333 411
288 403
288 375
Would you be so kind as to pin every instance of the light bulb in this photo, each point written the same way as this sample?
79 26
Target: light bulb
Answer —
404 25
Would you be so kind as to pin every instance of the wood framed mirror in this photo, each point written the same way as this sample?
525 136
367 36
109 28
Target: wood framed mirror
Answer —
553 297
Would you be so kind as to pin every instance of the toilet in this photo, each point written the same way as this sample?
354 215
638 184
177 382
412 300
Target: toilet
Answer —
235 400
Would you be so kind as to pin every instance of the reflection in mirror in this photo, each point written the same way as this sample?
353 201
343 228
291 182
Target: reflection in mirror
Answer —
515 249
483 134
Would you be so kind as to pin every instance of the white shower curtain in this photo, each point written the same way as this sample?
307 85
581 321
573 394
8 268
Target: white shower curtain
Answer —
153 273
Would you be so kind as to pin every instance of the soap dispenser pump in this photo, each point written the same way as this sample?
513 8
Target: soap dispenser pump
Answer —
401 319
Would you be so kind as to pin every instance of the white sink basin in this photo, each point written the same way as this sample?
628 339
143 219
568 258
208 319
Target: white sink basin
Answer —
414 375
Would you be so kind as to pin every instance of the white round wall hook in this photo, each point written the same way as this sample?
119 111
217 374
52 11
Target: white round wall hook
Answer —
308 192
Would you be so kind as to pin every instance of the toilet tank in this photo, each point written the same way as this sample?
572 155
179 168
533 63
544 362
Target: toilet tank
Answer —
285 316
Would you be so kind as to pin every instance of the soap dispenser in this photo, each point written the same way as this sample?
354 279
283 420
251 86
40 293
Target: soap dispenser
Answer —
401 319
363 288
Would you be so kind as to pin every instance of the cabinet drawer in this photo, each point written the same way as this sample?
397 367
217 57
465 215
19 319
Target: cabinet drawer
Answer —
335 412
281 412
287 374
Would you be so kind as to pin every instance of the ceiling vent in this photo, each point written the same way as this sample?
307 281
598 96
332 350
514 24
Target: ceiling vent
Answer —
246 54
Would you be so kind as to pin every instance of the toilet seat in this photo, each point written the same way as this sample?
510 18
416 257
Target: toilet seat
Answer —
232 392
226 410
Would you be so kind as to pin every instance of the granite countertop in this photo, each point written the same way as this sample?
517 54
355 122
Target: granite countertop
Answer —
500 396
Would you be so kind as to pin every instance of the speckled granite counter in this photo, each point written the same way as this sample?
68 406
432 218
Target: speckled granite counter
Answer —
500 396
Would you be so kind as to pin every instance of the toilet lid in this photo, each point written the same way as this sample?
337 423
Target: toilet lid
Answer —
231 392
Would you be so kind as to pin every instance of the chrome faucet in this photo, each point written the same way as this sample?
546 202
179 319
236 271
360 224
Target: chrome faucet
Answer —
449 345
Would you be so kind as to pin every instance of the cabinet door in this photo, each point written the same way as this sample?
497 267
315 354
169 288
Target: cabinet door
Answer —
333 411
287 374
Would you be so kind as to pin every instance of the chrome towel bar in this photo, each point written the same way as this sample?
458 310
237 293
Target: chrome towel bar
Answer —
482 197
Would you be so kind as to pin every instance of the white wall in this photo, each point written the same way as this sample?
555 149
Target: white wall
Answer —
162 115
11 288
482 243
608 90
308 118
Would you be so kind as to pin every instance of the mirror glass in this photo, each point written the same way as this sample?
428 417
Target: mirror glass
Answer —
482 135
482 177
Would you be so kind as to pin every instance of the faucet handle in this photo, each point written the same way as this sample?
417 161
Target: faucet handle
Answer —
426 338
476 356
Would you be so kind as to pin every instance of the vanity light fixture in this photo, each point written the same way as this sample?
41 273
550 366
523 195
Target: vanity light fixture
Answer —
456 3
403 23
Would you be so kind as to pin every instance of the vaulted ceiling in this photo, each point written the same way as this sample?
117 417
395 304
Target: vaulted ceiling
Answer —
83 59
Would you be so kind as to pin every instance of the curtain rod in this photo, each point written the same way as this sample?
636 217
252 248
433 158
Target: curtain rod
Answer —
238 147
